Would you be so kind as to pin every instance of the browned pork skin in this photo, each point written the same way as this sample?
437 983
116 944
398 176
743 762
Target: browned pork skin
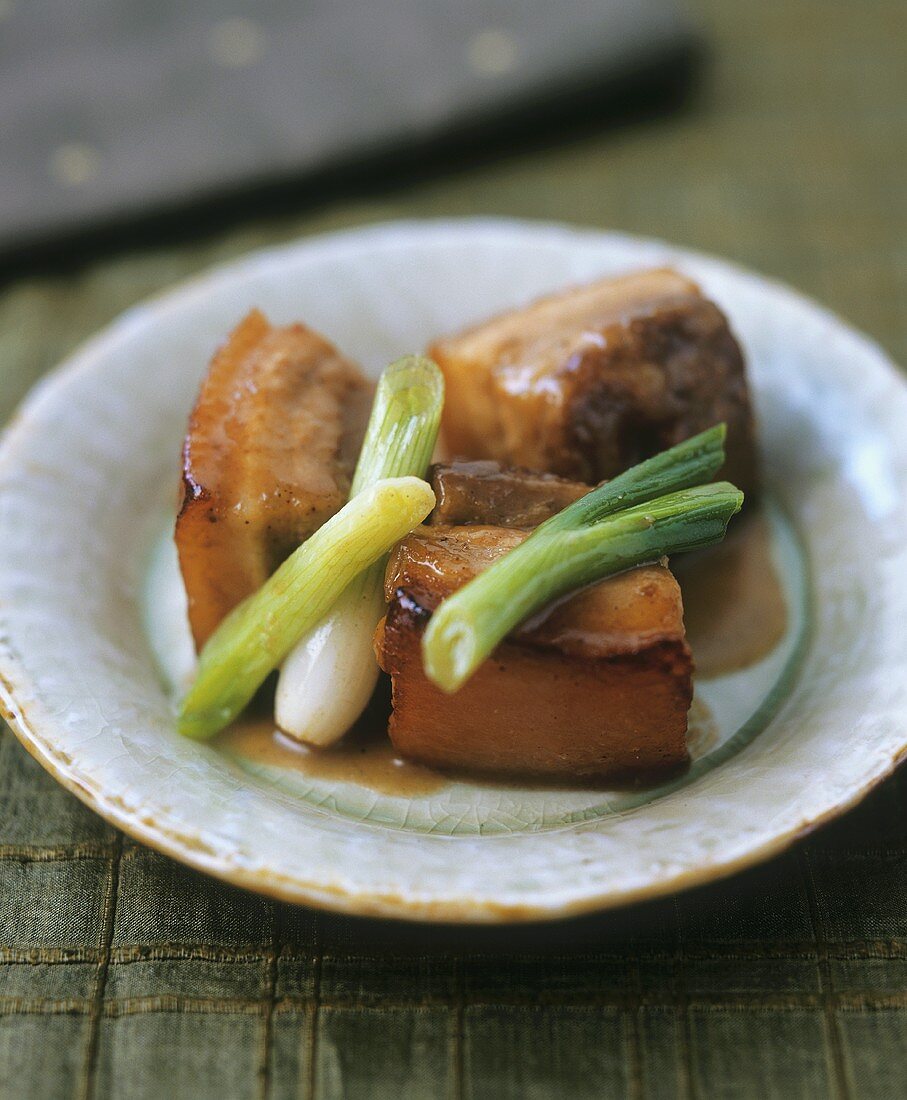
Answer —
272 445
597 688
587 382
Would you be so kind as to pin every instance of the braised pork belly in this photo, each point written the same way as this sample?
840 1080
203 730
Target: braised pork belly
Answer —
272 445
598 687
587 382
487 492
544 402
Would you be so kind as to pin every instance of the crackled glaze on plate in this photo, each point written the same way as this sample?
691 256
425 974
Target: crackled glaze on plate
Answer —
87 471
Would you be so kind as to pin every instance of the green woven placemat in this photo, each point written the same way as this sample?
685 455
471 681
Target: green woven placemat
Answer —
124 975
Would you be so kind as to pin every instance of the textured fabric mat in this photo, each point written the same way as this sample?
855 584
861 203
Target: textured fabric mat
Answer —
124 975
129 975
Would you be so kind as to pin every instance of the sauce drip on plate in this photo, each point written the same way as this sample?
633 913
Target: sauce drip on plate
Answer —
365 756
734 607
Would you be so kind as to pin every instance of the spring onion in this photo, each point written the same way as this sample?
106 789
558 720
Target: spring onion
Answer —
327 680
692 462
258 634
626 522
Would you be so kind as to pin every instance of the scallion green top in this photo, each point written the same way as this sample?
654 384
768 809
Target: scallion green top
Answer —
654 509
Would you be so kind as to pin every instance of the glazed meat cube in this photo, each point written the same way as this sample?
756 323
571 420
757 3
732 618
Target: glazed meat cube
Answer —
587 382
487 492
597 688
272 445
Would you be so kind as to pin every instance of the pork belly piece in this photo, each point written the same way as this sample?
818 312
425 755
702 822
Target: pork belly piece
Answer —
597 688
272 444
588 382
487 492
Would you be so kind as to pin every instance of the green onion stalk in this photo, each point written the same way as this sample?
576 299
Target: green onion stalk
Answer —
657 508
258 634
327 680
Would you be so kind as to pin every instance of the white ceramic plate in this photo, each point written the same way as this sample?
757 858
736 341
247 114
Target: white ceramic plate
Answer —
88 482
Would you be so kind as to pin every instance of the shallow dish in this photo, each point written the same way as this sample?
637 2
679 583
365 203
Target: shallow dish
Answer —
88 484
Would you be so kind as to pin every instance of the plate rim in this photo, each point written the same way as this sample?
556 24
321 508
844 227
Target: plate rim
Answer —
271 884
366 901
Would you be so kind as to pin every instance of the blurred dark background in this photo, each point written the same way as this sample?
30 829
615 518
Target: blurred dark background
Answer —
769 132
125 114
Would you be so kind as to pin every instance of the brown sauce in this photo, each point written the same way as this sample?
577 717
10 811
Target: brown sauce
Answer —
364 756
734 607
702 731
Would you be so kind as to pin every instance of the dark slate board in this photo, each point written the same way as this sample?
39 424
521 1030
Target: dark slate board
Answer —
116 108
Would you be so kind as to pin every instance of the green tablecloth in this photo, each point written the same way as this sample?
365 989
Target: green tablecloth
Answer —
123 974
